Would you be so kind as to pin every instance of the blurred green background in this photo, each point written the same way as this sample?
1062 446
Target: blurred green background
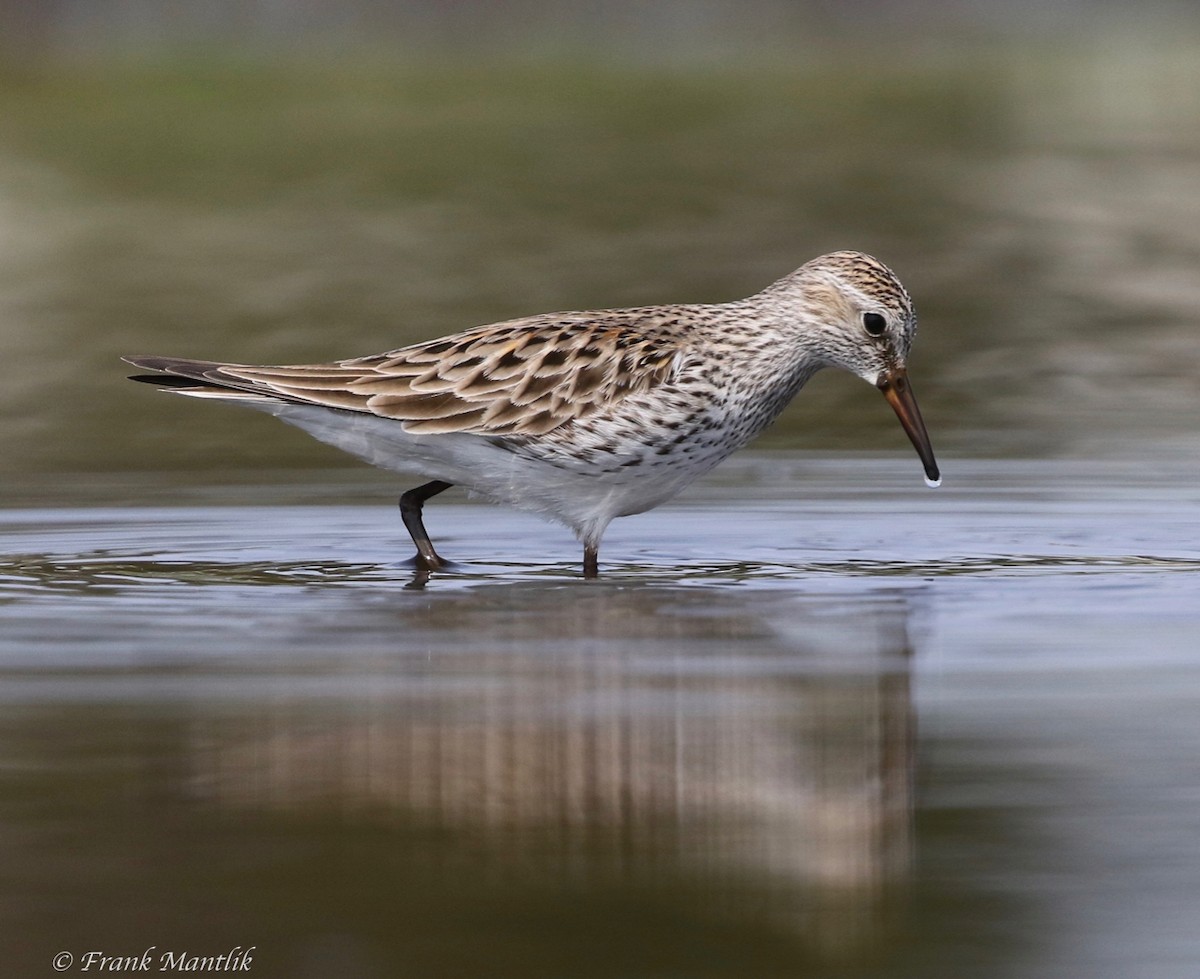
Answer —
292 182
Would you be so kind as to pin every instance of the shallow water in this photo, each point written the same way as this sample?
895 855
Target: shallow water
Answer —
813 717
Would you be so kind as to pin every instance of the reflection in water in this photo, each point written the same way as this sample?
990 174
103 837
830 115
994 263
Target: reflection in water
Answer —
754 748
274 741
226 726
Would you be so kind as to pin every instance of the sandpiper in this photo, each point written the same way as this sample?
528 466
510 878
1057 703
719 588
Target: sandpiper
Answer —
587 416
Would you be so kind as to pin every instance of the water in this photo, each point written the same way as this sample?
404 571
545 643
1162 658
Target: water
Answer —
814 718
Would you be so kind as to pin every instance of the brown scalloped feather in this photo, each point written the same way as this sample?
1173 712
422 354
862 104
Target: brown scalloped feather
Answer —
521 377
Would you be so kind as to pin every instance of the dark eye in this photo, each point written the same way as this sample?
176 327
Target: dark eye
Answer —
874 324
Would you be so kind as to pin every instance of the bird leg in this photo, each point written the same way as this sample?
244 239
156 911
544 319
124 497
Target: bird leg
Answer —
591 563
410 512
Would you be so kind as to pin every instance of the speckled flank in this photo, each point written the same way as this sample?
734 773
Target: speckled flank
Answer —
626 406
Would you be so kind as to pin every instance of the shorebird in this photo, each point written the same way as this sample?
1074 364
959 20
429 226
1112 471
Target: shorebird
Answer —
587 416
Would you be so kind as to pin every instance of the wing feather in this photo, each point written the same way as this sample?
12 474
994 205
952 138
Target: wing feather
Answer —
520 377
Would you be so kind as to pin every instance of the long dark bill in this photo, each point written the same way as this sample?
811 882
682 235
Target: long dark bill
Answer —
895 387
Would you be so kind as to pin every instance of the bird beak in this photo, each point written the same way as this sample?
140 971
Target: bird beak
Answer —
895 387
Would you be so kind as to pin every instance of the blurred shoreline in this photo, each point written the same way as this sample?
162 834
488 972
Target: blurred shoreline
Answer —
277 205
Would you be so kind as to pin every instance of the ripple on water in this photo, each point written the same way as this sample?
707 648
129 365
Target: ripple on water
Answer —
999 519
1004 537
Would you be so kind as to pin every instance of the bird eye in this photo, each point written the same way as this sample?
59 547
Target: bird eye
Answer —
874 324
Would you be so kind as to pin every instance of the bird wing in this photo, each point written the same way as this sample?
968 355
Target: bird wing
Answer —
521 377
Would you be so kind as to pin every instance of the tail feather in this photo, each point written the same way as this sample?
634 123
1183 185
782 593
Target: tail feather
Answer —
200 378
171 381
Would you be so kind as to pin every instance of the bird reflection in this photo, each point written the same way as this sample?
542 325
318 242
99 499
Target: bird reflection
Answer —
753 749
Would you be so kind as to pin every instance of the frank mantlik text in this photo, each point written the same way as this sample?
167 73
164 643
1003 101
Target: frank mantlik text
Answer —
152 960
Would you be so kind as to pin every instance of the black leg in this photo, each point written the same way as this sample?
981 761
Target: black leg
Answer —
410 512
591 562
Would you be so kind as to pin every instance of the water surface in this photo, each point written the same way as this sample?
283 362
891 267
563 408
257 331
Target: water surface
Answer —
812 717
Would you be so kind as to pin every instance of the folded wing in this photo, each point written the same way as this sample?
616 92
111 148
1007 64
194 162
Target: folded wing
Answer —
522 377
